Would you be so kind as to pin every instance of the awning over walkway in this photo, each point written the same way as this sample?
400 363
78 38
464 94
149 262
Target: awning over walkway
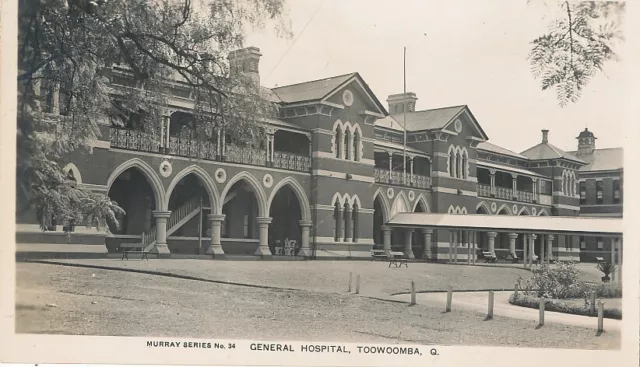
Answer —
581 226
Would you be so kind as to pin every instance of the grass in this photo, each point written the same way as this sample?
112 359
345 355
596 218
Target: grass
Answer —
116 303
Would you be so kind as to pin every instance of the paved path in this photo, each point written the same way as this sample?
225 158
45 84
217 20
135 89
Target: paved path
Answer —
477 301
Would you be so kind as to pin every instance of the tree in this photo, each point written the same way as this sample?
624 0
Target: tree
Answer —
67 49
576 47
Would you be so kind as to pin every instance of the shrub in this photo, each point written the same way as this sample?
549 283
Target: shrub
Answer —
606 268
564 307
557 281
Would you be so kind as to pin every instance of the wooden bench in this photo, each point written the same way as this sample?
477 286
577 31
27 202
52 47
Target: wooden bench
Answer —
378 254
398 259
489 257
135 248
600 259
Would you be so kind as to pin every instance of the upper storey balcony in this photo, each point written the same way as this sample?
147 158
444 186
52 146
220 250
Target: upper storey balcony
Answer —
513 184
283 149
389 169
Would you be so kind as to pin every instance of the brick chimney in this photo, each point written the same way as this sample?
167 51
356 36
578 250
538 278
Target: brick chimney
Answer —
397 102
545 136
246 61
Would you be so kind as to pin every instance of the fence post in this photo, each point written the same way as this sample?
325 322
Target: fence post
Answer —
600 316
358 284
490 310
449 296
515 291
593 302
350 280
413 293
541 322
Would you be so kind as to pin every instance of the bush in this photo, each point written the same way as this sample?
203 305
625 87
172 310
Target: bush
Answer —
561 282
560 306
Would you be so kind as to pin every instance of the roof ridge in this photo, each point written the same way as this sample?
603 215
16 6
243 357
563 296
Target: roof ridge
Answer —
435 109
313 81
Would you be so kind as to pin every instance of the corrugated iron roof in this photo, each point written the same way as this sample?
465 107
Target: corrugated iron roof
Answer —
486 146
512 223
428 119
608 159
504 167
310 91
548 151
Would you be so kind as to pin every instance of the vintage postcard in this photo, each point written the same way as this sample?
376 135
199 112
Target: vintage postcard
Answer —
319 182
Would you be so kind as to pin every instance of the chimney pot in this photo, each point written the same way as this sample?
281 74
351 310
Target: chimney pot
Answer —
545 136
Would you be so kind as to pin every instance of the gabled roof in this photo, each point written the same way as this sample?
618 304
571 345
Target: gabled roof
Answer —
429 119
608 159
544 151
488 147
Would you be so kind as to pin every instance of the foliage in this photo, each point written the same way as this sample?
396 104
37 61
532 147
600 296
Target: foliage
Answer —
576 46
606 268
69 48
561 306
556 281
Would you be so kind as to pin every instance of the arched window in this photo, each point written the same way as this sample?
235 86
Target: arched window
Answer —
355 222
459 164
347 144
347 222
452 163
338 140
336 221
464 164
356 146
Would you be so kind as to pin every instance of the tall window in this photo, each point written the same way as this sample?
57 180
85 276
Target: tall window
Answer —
336 220
355 222
338 140
245 230
616 192
356 146
583 192
347 222
600 243
347 144
583 242
464 165
452 163
599 192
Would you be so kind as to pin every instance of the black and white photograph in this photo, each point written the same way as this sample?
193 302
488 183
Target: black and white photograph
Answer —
319 182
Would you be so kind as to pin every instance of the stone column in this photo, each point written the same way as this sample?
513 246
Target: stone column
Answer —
613 259
491 239
215 248
408 251
515 184
619 259
525 250
542 245
386 235
411 170
512 244
263 245
534 188
305 226
390 164
549 248
532 246
427 233
160 247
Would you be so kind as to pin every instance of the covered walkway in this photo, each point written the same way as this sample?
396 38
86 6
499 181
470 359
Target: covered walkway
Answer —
544 239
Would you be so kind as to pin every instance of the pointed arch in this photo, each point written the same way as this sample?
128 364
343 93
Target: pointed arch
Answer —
149 174
425 204
401 204
465 163
463 210
451 162
75 171
257 190
209 185
337 198
336 141
300 194
484 206
357 142
524 210
543 213
354 200
384 203
504 207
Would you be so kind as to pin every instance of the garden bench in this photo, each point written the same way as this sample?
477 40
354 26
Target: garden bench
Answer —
398 259
134 248
600 259
489 257
378 254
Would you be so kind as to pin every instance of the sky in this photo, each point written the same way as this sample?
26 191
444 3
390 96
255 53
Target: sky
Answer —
458 52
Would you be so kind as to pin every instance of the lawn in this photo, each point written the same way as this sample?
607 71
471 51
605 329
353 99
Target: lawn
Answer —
105 302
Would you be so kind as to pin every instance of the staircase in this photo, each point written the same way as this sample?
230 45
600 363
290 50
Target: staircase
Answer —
177 219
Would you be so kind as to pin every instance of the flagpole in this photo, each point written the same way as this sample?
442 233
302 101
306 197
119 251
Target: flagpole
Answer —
404 122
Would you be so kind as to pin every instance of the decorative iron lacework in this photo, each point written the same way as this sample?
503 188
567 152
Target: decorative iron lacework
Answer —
184 146
401 179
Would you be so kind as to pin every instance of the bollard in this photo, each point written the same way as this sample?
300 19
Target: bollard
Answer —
541 322
449 296
600 316
490 309
593 302
350 280
413 293
358 284
515 291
